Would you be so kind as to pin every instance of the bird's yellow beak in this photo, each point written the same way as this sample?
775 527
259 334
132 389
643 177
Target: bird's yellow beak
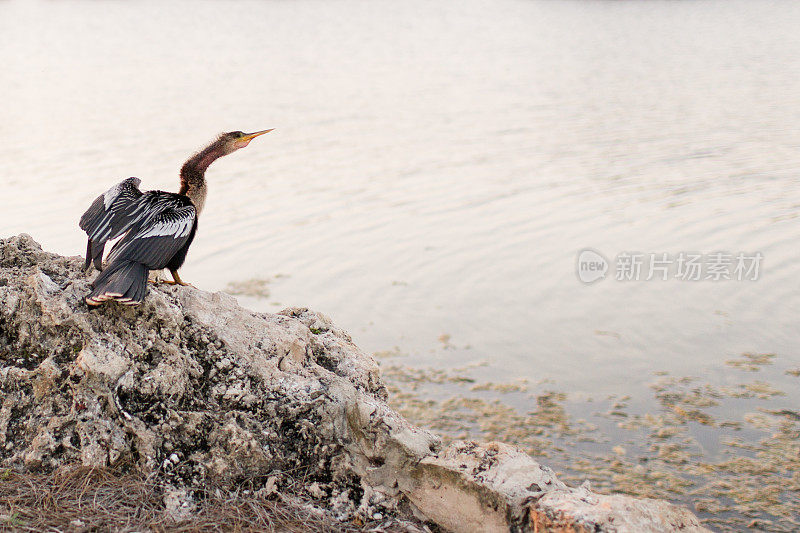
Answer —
250 136
245 139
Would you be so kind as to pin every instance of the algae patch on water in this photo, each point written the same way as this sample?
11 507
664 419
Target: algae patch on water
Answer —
752 362
255 287
721 448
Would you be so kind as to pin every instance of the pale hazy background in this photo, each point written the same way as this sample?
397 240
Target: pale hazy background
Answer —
436 166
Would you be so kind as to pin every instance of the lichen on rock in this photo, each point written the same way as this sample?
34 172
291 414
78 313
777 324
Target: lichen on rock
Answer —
193 387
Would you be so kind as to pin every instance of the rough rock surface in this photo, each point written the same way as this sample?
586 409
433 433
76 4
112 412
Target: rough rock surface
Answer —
195 387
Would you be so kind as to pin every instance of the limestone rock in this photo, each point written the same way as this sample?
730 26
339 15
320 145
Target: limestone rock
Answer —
193 386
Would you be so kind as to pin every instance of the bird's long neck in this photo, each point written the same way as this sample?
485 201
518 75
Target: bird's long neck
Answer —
193 181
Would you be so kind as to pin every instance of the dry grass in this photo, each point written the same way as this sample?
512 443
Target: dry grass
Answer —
78 499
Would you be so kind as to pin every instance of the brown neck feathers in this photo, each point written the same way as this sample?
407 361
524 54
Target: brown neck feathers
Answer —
193 181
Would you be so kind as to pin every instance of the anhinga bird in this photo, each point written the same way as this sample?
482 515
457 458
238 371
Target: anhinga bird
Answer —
157 226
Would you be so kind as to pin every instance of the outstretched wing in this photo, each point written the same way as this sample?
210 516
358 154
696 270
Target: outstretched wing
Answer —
111 215
156 241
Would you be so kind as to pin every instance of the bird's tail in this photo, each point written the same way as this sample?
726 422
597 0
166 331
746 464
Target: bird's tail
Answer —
125 282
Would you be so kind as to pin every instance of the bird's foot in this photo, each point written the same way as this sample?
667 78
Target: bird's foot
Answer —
179 282
157 279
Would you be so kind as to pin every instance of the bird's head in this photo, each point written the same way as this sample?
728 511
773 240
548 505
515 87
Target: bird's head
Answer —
234 140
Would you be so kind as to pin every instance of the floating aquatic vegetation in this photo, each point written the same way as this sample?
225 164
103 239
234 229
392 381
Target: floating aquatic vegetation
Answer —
394 352
256 287
718 448
751 362
518 385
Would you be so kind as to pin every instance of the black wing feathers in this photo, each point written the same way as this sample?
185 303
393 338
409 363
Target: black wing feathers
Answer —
156 224
109 216
157 228
155 243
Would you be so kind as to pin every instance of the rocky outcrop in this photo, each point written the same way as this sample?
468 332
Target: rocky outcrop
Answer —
194 387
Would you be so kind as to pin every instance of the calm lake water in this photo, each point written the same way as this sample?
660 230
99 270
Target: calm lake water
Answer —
437 166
